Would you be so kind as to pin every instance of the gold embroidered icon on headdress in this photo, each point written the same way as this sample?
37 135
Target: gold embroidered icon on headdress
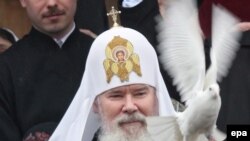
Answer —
121 59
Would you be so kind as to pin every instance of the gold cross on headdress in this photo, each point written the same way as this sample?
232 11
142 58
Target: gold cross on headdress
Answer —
114 13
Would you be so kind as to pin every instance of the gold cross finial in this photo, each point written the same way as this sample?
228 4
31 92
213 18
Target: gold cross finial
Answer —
114 13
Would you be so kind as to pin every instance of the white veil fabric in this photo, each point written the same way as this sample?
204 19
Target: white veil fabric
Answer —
79 122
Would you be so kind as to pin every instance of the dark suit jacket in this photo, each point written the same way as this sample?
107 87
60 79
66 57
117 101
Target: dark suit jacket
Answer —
38 80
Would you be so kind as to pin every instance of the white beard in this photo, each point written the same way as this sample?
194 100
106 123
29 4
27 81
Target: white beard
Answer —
113 132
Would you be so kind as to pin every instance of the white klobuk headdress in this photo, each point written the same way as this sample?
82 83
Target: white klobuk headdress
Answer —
104 70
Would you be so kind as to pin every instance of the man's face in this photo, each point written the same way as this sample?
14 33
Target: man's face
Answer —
52 17
124 108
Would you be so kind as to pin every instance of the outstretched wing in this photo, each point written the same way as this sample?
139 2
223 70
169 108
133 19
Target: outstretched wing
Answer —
164 128
167 129
225 43
181 47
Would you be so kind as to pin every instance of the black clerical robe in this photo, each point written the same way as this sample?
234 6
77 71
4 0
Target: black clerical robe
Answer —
38 80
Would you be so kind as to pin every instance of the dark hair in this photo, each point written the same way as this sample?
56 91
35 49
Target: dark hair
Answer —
120 51
5 34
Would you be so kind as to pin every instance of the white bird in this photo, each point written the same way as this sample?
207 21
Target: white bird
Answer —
182 54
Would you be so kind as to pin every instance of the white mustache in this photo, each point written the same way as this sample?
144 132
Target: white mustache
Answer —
131 118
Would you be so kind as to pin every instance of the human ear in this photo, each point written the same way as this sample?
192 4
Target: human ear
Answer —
96 106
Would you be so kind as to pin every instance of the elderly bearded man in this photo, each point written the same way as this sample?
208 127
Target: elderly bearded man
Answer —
114 99
123 110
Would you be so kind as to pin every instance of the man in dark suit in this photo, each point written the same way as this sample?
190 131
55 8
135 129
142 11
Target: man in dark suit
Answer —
41 73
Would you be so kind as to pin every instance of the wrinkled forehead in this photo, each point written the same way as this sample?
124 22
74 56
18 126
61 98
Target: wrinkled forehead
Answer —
130 88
